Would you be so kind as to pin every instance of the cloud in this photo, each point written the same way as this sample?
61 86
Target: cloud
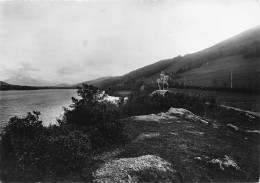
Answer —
24 70
85 43
71 69
26 66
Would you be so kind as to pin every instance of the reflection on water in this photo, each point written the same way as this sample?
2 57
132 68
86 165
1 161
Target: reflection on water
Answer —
48 102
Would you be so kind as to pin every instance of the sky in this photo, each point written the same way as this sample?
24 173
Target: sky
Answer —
76 41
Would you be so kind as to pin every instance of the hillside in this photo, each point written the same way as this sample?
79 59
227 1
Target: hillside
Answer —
209 67
63 85
97 82
6 86
217 73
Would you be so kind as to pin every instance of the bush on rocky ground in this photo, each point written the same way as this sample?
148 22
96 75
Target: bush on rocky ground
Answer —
30 153
33 152
141 103
99 119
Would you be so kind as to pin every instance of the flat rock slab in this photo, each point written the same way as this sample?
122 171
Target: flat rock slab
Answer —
127 169
172 113
160 92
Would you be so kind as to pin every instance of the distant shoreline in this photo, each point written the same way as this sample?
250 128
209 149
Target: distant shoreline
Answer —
23 88
6 87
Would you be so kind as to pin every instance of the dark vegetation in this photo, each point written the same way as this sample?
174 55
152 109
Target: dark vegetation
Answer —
142 103
113 90
6 86
245 101
243 90
33 152
202 104
98 119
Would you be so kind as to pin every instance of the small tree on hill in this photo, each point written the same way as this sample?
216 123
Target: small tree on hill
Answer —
97 118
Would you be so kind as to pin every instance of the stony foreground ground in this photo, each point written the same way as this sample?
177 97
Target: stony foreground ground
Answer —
178 146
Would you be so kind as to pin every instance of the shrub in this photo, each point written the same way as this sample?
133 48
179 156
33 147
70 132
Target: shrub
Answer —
32 152
143 103
19 129
53 157
139 104
98 119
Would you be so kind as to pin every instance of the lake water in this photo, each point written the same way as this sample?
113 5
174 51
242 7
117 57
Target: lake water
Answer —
48 102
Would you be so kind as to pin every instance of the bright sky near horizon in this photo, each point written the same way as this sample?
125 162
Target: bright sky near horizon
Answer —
71 42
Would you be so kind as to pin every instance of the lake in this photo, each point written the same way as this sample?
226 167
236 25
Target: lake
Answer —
48 102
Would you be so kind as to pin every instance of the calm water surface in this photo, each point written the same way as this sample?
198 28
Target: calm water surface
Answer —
48 102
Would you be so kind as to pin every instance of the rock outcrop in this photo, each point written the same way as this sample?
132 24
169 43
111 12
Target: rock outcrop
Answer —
125 170
160 92
172 113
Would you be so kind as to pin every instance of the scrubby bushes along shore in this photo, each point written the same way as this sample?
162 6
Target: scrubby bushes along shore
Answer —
33 152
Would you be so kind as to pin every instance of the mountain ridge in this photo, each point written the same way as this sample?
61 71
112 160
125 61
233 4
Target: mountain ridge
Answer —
29 81
244 47
96 81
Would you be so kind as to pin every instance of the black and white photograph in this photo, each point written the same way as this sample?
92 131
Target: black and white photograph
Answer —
129 91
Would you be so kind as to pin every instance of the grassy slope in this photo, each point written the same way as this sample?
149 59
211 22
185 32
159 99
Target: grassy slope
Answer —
182 141
218 69
245 73
244 38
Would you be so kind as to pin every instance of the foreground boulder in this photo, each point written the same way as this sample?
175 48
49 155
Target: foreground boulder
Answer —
132 170
172 114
